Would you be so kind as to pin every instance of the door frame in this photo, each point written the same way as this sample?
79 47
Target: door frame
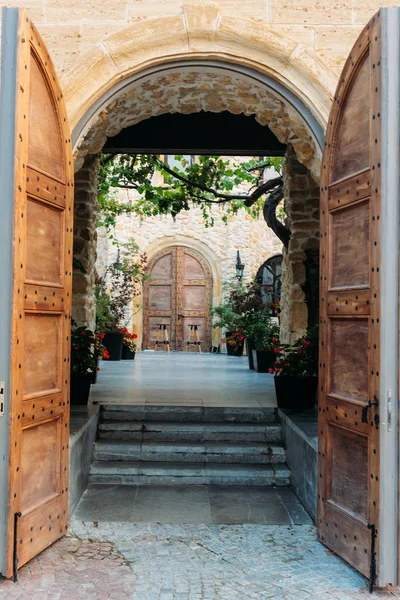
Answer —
389 363
7 166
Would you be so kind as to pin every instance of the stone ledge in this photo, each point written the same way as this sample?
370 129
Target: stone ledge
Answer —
300 438
83 429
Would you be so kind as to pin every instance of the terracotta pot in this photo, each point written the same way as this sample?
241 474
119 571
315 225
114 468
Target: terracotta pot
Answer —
80 388
296 393
114 342
263 360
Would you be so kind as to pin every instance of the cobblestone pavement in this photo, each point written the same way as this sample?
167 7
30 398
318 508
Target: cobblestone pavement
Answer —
138 561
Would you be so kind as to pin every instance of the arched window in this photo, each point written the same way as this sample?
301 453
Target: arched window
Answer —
269 276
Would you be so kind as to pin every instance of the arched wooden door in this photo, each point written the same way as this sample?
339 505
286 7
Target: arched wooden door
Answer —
177 294
36 235
357 496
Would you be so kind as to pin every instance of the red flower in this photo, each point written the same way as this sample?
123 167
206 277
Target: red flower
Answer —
83 333
135 336
277 362
106 354
271 371
274 340
306 343
102 336
98 369
277 350
241 338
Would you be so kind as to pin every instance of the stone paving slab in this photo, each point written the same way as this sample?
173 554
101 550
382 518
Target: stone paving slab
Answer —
136 561
180 379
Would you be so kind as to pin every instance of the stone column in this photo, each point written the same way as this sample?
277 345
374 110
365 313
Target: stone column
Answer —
85 238
302 209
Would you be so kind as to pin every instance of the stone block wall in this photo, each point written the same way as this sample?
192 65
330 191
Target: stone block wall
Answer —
72 28
302 209
85 241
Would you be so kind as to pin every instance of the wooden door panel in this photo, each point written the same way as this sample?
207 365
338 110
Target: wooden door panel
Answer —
348 345
45 147
42 368
353 123
192 268
350 246
194 297
38 380
348 494
44 243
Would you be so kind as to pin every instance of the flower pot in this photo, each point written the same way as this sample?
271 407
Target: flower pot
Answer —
263 360
114 342
296 393
80 388
249 349
93 379
237 349
127 354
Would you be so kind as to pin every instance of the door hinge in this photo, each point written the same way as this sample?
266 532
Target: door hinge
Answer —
364 414
17 516
1 398
372 567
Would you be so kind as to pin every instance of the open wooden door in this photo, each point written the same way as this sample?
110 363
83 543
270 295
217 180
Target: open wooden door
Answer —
36 175
358 251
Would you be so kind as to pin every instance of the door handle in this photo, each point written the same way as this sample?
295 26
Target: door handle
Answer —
364 417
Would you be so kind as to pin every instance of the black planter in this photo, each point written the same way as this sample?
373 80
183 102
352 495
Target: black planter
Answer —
296 393
114 342
80 388
236 350
249 348
93 378
263 361
127 354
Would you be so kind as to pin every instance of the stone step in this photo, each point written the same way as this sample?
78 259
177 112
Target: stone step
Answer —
190 452
199 414
158 473
170 431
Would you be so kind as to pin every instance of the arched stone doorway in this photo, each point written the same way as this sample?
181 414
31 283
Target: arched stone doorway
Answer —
177 294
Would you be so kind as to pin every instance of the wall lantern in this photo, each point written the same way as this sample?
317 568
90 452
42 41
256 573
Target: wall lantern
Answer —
239 266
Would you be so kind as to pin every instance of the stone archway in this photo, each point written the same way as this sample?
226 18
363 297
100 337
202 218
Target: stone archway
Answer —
200 60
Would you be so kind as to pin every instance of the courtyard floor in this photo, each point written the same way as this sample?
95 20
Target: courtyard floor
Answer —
153 561
183 379
188 542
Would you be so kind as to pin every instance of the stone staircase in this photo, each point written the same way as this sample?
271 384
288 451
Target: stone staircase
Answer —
168 445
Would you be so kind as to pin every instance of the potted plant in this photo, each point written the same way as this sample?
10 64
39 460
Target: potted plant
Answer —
115 290
266 344
246 302
234 343
227 319
129 345
296 372
86 348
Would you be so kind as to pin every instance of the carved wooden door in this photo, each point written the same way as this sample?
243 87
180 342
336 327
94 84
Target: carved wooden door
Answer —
177 294
193 297
37 196
160 298
350 398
